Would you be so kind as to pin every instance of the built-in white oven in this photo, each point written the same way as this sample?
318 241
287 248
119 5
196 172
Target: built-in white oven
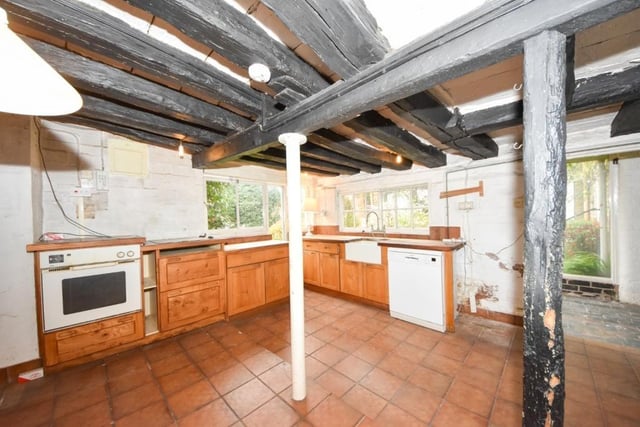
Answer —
88 284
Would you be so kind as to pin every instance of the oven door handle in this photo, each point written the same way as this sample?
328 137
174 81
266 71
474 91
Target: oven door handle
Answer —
89 266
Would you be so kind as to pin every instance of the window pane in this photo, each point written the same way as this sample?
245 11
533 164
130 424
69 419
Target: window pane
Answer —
404 218
587 240
359 202
389 200
250 205
404 199
347 202
221 205
420 197
348 220
372 200
389 219
421 218
276 212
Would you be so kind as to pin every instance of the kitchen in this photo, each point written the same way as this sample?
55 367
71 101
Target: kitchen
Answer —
167 196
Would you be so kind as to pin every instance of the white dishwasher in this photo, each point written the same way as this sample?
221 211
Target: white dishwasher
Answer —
416 291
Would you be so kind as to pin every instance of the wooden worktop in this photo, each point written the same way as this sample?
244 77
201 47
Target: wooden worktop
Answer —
426 244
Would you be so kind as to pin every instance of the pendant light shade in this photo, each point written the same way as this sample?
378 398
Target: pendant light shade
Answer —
28 85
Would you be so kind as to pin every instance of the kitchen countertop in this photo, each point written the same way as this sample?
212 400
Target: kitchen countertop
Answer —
436 245
251 245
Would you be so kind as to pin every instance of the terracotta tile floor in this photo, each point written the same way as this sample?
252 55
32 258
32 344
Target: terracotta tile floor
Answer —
363 367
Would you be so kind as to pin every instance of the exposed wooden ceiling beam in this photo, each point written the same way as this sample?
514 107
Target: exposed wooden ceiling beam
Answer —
282 166
108 82
626 121
96 31
279 155
489 34
335 142
133 134
234 35
590 92
386 133
311 150
103 110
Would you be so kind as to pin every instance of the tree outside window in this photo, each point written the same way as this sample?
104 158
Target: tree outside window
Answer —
587 232
245 206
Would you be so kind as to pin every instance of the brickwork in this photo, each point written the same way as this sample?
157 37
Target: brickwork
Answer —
605 291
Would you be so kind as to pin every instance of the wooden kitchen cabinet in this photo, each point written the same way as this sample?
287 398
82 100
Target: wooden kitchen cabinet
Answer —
351 277
276 275
375 284
72 343
246 287
190 286
256 276
322 264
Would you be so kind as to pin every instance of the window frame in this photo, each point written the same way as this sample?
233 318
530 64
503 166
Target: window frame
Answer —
246 231
380 210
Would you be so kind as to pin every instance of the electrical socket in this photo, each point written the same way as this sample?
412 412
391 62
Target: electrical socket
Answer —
465 206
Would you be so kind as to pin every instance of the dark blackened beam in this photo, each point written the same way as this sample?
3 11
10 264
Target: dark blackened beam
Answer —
487 35
282 166
626 122
279 155
386 133
96 31
133 134
339 144
118 85
317 152
100 109
590 92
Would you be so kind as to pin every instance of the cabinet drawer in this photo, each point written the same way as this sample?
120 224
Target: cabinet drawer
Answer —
186 305
254 256
82 340
180 271
324 247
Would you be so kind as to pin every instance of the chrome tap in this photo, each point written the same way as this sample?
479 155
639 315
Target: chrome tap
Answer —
377 221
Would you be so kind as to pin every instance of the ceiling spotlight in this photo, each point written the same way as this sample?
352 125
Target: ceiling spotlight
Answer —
398 158
259 72
292 138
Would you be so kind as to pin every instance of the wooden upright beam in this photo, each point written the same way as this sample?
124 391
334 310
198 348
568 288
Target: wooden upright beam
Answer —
626 121
545 178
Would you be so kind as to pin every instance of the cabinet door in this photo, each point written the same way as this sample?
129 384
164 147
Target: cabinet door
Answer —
330 271
276 276
245 287
351 277
189 304
311 266
375 283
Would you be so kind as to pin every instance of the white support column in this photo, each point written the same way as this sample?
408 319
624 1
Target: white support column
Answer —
292 142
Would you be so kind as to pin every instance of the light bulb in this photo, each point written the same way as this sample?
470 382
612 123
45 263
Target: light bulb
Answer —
398 158
181 150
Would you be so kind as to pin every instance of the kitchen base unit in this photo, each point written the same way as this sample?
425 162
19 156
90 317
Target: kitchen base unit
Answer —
418 291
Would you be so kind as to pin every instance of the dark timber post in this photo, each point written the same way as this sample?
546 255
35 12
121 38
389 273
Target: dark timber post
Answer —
545 193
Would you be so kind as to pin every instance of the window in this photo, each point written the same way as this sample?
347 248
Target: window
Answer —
245 206
399 210
587 231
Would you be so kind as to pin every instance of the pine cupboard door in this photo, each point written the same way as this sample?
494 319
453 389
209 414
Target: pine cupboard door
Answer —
375 286
189 304
245 287
311 267
351 277
276 274
330 271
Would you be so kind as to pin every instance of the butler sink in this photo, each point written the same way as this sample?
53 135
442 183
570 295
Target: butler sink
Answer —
364 250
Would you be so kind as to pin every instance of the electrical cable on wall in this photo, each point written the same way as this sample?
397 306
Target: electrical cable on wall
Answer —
55 196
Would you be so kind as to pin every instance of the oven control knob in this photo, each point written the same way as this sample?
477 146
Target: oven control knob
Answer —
130 254
120 254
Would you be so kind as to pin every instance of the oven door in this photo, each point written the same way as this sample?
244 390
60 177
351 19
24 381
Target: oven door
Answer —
88 293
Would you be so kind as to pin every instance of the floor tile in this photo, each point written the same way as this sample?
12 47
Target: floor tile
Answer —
391 415
471 398
78 400
506 414
353 367
450 415
97 415
156 415
135 399
261 361
231 378
214 414
397 366
364 401
315 394
417 402
274 413
179 379
248 397
334 382
333 412
329 354
191 398
382 383
277 378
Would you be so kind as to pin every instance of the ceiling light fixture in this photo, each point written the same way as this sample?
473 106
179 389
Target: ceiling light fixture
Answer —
28 85
292 138
398 158
259 72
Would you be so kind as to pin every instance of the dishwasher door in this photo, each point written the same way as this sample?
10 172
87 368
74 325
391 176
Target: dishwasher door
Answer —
415 287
